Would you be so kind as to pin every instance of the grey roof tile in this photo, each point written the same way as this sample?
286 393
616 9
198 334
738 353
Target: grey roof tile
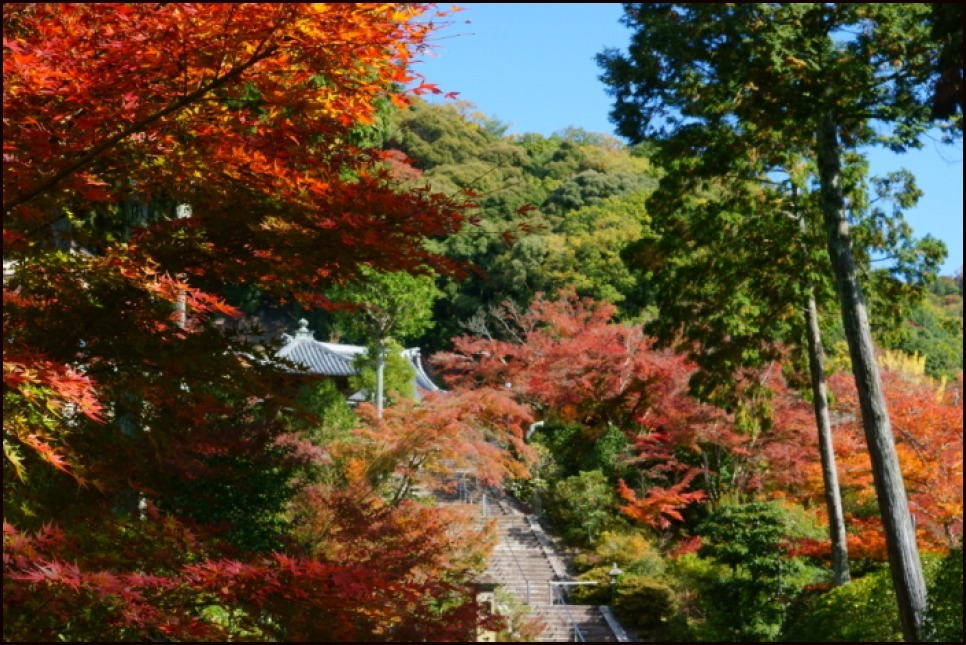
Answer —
317 359
333 359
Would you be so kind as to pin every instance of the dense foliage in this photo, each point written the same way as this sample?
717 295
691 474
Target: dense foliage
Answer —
623 328
159 482
747 91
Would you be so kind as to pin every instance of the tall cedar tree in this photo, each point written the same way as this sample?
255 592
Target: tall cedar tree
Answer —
786 79
732 296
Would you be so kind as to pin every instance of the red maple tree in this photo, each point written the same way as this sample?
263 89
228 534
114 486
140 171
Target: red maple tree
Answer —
146 479
571 362
928 422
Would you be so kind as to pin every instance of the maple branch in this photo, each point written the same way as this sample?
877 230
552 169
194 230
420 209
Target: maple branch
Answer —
224 47
137 126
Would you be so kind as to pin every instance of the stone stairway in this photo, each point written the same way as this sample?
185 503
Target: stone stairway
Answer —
518 562
524 564
560 621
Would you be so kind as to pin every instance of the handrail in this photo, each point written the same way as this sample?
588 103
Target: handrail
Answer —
574 583
510 550
557 594
470 492
466 496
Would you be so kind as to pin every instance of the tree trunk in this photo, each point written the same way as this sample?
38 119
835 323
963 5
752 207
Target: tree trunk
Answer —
833 495
826 448
380 376
899 530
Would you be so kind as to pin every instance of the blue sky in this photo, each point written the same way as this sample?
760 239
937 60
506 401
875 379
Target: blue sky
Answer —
532 66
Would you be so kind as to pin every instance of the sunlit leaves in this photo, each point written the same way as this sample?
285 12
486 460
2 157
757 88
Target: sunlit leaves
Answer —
153 155
928 423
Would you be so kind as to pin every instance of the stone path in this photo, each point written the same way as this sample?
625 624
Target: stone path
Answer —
524 564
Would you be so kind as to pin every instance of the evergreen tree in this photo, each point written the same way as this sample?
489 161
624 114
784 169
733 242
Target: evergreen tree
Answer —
771 81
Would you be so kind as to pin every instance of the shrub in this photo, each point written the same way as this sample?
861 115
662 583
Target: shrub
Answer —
646 604
863 610
630 551
599 594
866 609
946 598
584 506
746 601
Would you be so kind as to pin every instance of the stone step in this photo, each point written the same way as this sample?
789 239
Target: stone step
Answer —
516 534
520 560
506 577
530 567
539 594
560 620
539 569
532 551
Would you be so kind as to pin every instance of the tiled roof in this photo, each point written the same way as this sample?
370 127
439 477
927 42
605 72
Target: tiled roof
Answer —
422 378
333 359
316 357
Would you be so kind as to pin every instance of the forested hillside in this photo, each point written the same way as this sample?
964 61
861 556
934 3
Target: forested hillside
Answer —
656 347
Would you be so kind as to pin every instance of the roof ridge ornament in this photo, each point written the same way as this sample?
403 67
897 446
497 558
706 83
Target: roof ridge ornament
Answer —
303 330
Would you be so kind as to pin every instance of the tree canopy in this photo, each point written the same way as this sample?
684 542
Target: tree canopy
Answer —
155 155
179 178
729 84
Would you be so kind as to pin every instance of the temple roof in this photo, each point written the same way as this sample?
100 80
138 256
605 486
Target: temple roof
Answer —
422 378
316 357
334 359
